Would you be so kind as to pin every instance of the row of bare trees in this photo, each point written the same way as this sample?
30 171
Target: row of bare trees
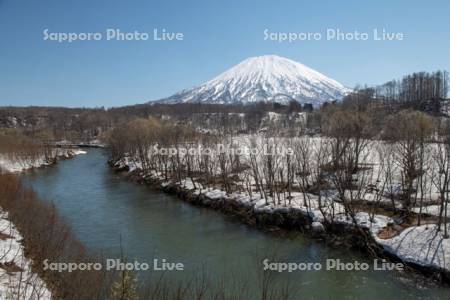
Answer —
17 148
400 165
86 124
420 91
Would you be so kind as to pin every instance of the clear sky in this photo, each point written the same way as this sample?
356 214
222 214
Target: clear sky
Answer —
217 35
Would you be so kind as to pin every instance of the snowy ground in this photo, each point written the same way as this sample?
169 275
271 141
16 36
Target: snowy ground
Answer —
19 164
432 210
17 281
423 245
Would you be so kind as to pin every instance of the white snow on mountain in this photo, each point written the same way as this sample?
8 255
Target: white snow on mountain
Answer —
267 78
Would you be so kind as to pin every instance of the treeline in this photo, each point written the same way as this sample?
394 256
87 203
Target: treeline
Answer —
21 150
425 92
13 142
56 123
85 124
420 91
187 109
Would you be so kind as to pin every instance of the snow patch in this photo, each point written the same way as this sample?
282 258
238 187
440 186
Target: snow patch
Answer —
20 283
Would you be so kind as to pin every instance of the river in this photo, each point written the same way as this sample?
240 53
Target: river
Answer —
108 212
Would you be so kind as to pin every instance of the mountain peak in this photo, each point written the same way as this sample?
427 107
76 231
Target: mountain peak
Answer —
264 78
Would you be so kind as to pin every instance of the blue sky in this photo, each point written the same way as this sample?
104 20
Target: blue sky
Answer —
217 35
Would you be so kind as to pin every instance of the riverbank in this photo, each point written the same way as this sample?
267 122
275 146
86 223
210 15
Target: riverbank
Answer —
421 248
17 280
35 235
16 164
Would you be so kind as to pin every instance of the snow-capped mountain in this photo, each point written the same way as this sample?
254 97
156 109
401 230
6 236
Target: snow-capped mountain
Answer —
264 78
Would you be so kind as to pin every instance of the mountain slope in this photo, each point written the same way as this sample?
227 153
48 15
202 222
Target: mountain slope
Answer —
264 78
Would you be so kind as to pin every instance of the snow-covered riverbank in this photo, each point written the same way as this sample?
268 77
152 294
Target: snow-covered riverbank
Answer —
423 245
13 164
17 281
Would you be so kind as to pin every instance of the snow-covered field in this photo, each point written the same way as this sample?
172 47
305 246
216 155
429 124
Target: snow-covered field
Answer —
17 281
